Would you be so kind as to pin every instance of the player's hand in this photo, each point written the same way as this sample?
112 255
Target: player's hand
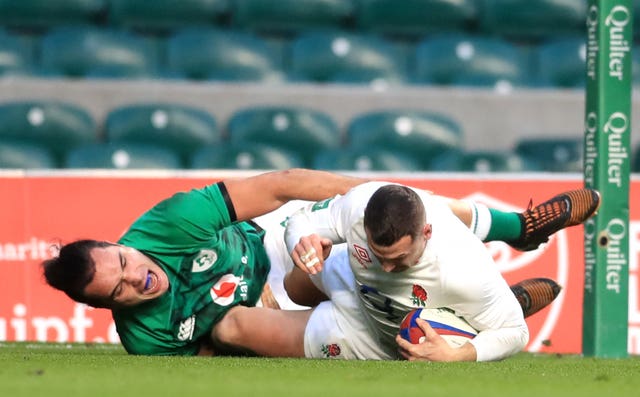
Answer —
434 347
310 252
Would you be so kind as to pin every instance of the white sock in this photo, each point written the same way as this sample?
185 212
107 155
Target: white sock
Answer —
480 219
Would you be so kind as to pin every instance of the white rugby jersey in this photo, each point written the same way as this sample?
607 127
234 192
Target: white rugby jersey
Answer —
456 271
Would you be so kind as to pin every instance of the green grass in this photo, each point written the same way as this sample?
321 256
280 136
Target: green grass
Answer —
101 370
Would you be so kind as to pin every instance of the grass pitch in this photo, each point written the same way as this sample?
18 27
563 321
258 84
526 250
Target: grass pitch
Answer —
54 370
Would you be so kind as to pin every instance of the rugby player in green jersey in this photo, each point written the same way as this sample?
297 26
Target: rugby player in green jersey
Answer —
188 260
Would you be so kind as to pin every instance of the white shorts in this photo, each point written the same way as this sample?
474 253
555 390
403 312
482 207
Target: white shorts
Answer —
337 328
281 262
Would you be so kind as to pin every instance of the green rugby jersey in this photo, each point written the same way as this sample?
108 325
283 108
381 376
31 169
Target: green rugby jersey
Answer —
212 265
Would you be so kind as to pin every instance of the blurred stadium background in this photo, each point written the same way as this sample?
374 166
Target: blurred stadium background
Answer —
370 85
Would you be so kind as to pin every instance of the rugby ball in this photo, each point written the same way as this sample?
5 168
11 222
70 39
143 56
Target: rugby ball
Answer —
455 330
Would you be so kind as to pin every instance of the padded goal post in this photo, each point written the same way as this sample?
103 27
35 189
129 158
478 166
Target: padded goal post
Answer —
606 168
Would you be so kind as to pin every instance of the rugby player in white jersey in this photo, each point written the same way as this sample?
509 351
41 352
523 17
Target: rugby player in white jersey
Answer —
407 249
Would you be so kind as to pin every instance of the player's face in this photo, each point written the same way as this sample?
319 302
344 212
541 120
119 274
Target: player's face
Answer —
125 277
403 254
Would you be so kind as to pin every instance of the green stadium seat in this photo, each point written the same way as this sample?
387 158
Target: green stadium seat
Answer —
562 62
300 130
412 133
462 58
482 161
25 156
42 14
201 53
166 15
290 16
245 157
181 128
415 17
123 156
553 154
533 19
326 56
55 125
15 55
636 19
380 159
84 51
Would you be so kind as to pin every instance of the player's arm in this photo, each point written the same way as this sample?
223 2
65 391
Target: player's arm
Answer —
260 194
492 309
504 332
261 331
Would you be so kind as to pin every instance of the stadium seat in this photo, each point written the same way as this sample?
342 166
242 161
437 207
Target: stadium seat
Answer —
300 130
166 15
84 51
327 55
290 16
380 159
41 14
245 157
453 58
553 154
636 19
55 125
415 17
561 62
15 55
25 155
201 53
123 156
533 19
413 133
181 128
482 161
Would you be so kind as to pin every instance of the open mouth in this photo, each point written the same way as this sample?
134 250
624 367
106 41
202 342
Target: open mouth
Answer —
151 283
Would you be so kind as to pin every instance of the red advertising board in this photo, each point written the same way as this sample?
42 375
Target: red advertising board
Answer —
37 210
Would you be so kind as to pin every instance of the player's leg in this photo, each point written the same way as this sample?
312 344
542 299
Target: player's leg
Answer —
338 328
535 294
526 230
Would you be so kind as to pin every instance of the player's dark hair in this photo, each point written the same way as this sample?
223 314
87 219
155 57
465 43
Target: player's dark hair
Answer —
73 269
394 211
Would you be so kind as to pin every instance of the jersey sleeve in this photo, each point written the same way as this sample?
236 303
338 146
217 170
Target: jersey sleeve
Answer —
487 303
330 218
183 220
477 290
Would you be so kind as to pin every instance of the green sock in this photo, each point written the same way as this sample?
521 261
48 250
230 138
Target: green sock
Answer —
505 226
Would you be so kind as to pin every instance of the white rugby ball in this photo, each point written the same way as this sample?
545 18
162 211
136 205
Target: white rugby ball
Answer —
455 330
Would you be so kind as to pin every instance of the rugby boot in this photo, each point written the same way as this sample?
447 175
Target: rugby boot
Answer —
564 210
534 294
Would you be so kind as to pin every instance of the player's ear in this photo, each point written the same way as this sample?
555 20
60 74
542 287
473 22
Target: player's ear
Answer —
426 231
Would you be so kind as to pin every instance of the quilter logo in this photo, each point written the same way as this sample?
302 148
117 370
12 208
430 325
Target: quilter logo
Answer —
551 260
